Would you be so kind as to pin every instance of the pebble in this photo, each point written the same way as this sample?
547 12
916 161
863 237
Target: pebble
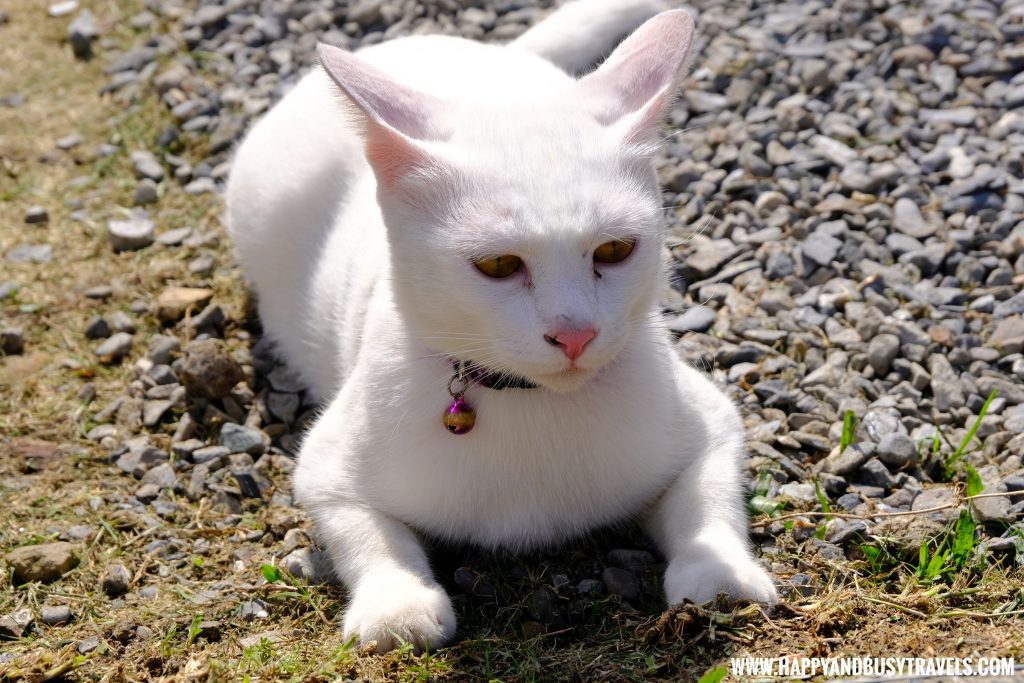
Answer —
82 32
116 347
897 450
116 580
135 232
12 341
55 615
174 302
45 562
621 582
208 369
240 439
36 215
146 166
16 624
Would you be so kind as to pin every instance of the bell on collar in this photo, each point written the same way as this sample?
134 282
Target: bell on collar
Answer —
460 416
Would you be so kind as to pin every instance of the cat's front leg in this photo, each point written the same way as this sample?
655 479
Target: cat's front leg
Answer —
394 597
700 522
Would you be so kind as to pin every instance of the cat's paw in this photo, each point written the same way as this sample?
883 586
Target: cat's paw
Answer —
400 609
702 580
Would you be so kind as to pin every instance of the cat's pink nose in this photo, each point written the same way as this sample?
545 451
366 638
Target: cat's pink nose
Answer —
572 342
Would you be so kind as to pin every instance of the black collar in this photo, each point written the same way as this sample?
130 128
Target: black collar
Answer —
477 374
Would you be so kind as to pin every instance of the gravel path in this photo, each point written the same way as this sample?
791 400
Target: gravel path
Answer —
845 203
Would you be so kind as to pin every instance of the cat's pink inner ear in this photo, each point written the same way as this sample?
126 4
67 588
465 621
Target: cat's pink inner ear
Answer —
391 155
639 78
395 117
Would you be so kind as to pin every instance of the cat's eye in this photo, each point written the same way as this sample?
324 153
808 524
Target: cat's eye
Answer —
499 266
614 251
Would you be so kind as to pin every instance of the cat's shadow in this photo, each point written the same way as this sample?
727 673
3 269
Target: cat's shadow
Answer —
562 591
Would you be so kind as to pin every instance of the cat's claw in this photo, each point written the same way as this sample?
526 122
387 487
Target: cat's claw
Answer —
403 610
702 580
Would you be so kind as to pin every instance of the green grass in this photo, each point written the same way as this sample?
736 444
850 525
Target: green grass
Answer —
849 427
961 450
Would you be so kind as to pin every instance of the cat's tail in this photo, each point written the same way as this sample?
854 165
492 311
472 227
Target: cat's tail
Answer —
581 32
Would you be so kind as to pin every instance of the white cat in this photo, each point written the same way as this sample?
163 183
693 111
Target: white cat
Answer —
445 204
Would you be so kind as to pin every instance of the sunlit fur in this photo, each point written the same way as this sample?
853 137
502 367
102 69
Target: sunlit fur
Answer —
358 206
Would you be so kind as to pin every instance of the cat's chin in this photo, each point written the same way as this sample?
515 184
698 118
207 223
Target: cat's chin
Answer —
567 380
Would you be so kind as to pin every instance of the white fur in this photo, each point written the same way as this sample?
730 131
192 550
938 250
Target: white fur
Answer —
357 208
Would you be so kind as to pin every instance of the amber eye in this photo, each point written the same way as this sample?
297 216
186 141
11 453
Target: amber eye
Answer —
499 266
614 251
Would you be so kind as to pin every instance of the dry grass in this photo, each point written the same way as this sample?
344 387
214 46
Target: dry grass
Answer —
853 609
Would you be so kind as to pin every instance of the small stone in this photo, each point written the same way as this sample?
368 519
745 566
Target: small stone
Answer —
820 248
936 497
846 461
174 302
55 615
202 265
253 609
136 232
87 645
162 475
97 328
209 319
240 439
630 559
100 292
209 370
71 141
283 406
996 511
153 411
308 563
908 220
798 491
81 34
46 562
120 322
115 348
208 454
248 484
36 215
12 342
60 9
590 587
173 238
147 166
945 384
162 348
15 624
897 450
542 605
116 580
146 192
621 582
31 253
882 350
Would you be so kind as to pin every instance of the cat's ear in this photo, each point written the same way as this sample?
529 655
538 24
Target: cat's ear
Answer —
396 119
635 86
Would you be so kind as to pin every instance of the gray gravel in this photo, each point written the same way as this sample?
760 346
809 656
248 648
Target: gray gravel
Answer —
845 215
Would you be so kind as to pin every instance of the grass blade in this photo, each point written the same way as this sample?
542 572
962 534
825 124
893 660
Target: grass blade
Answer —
962 448
849 424
974 483
963 539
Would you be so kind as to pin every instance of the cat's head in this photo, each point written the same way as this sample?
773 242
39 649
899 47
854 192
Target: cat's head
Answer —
526 239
